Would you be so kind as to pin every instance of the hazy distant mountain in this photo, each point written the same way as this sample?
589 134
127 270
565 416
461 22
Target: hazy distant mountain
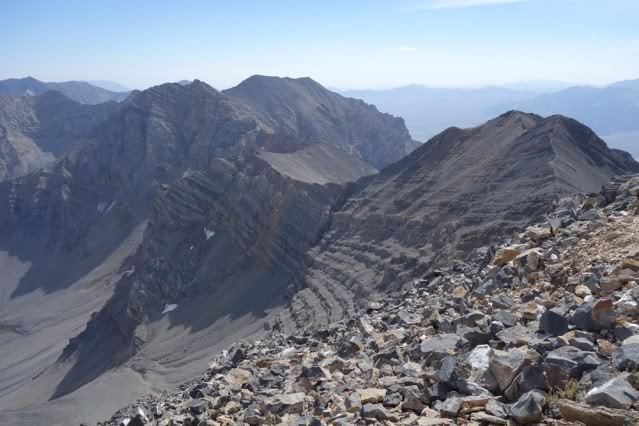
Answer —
79 91
627 84
113 86
612 111
428 111
539 86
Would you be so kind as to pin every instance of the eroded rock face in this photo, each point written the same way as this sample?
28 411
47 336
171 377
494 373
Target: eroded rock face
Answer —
34 130
241 224
460 190
160 151
408 364
300 112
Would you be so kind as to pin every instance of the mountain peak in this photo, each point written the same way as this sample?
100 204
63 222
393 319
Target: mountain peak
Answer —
258 80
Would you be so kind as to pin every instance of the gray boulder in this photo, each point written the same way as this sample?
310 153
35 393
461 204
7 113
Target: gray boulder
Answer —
616 393
529 408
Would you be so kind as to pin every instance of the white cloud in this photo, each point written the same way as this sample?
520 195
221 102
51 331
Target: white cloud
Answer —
407 49
455 4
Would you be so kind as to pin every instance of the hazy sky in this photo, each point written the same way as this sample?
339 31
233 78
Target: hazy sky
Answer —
344 44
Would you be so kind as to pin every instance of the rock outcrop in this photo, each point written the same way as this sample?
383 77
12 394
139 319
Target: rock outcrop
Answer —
302 112
464 344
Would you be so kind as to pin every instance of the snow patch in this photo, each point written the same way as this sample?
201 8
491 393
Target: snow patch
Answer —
208 233
104 206
187 173
169 308
110 207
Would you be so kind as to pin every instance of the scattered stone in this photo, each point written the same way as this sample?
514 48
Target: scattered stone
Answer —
617 393
371 395
529 408
553 311
553 322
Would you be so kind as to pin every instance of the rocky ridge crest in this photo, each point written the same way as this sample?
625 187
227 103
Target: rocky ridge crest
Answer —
542 329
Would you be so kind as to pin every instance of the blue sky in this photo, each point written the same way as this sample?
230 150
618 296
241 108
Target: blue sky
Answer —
344 44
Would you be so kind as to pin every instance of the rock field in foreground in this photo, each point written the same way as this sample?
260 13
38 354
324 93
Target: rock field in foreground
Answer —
541 330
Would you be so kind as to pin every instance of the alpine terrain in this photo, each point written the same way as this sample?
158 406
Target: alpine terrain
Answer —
183 220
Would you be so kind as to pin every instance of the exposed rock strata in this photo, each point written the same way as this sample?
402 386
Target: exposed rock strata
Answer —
35 130
462 189
439 353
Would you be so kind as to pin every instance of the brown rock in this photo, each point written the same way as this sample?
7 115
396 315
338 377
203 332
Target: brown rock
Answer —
590 416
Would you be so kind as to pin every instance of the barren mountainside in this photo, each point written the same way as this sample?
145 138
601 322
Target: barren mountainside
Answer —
79 91
36 129
303 113
213 225
196 218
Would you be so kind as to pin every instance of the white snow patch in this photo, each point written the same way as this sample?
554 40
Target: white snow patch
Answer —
101 206
209 233
169 308
110 207
187 173
130 271
126 421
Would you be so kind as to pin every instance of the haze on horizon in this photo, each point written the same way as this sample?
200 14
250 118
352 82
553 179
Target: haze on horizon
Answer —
348 45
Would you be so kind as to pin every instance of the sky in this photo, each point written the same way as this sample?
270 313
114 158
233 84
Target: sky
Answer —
346 44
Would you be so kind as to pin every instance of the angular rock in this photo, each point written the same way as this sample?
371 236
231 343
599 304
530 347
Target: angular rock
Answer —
553 322
529 408
616 393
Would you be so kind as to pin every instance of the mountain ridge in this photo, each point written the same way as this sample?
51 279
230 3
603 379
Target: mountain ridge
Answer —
79 91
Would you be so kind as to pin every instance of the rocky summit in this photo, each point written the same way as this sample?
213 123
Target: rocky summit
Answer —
540 329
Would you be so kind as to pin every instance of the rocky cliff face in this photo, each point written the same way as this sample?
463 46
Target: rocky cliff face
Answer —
460 190
329 246
158 159
35 130
240 224
300 112
541 330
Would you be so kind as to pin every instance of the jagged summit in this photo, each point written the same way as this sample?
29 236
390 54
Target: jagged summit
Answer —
306 113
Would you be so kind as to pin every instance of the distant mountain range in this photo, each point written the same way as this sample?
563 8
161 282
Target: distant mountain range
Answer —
79 91
113 86
611 111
